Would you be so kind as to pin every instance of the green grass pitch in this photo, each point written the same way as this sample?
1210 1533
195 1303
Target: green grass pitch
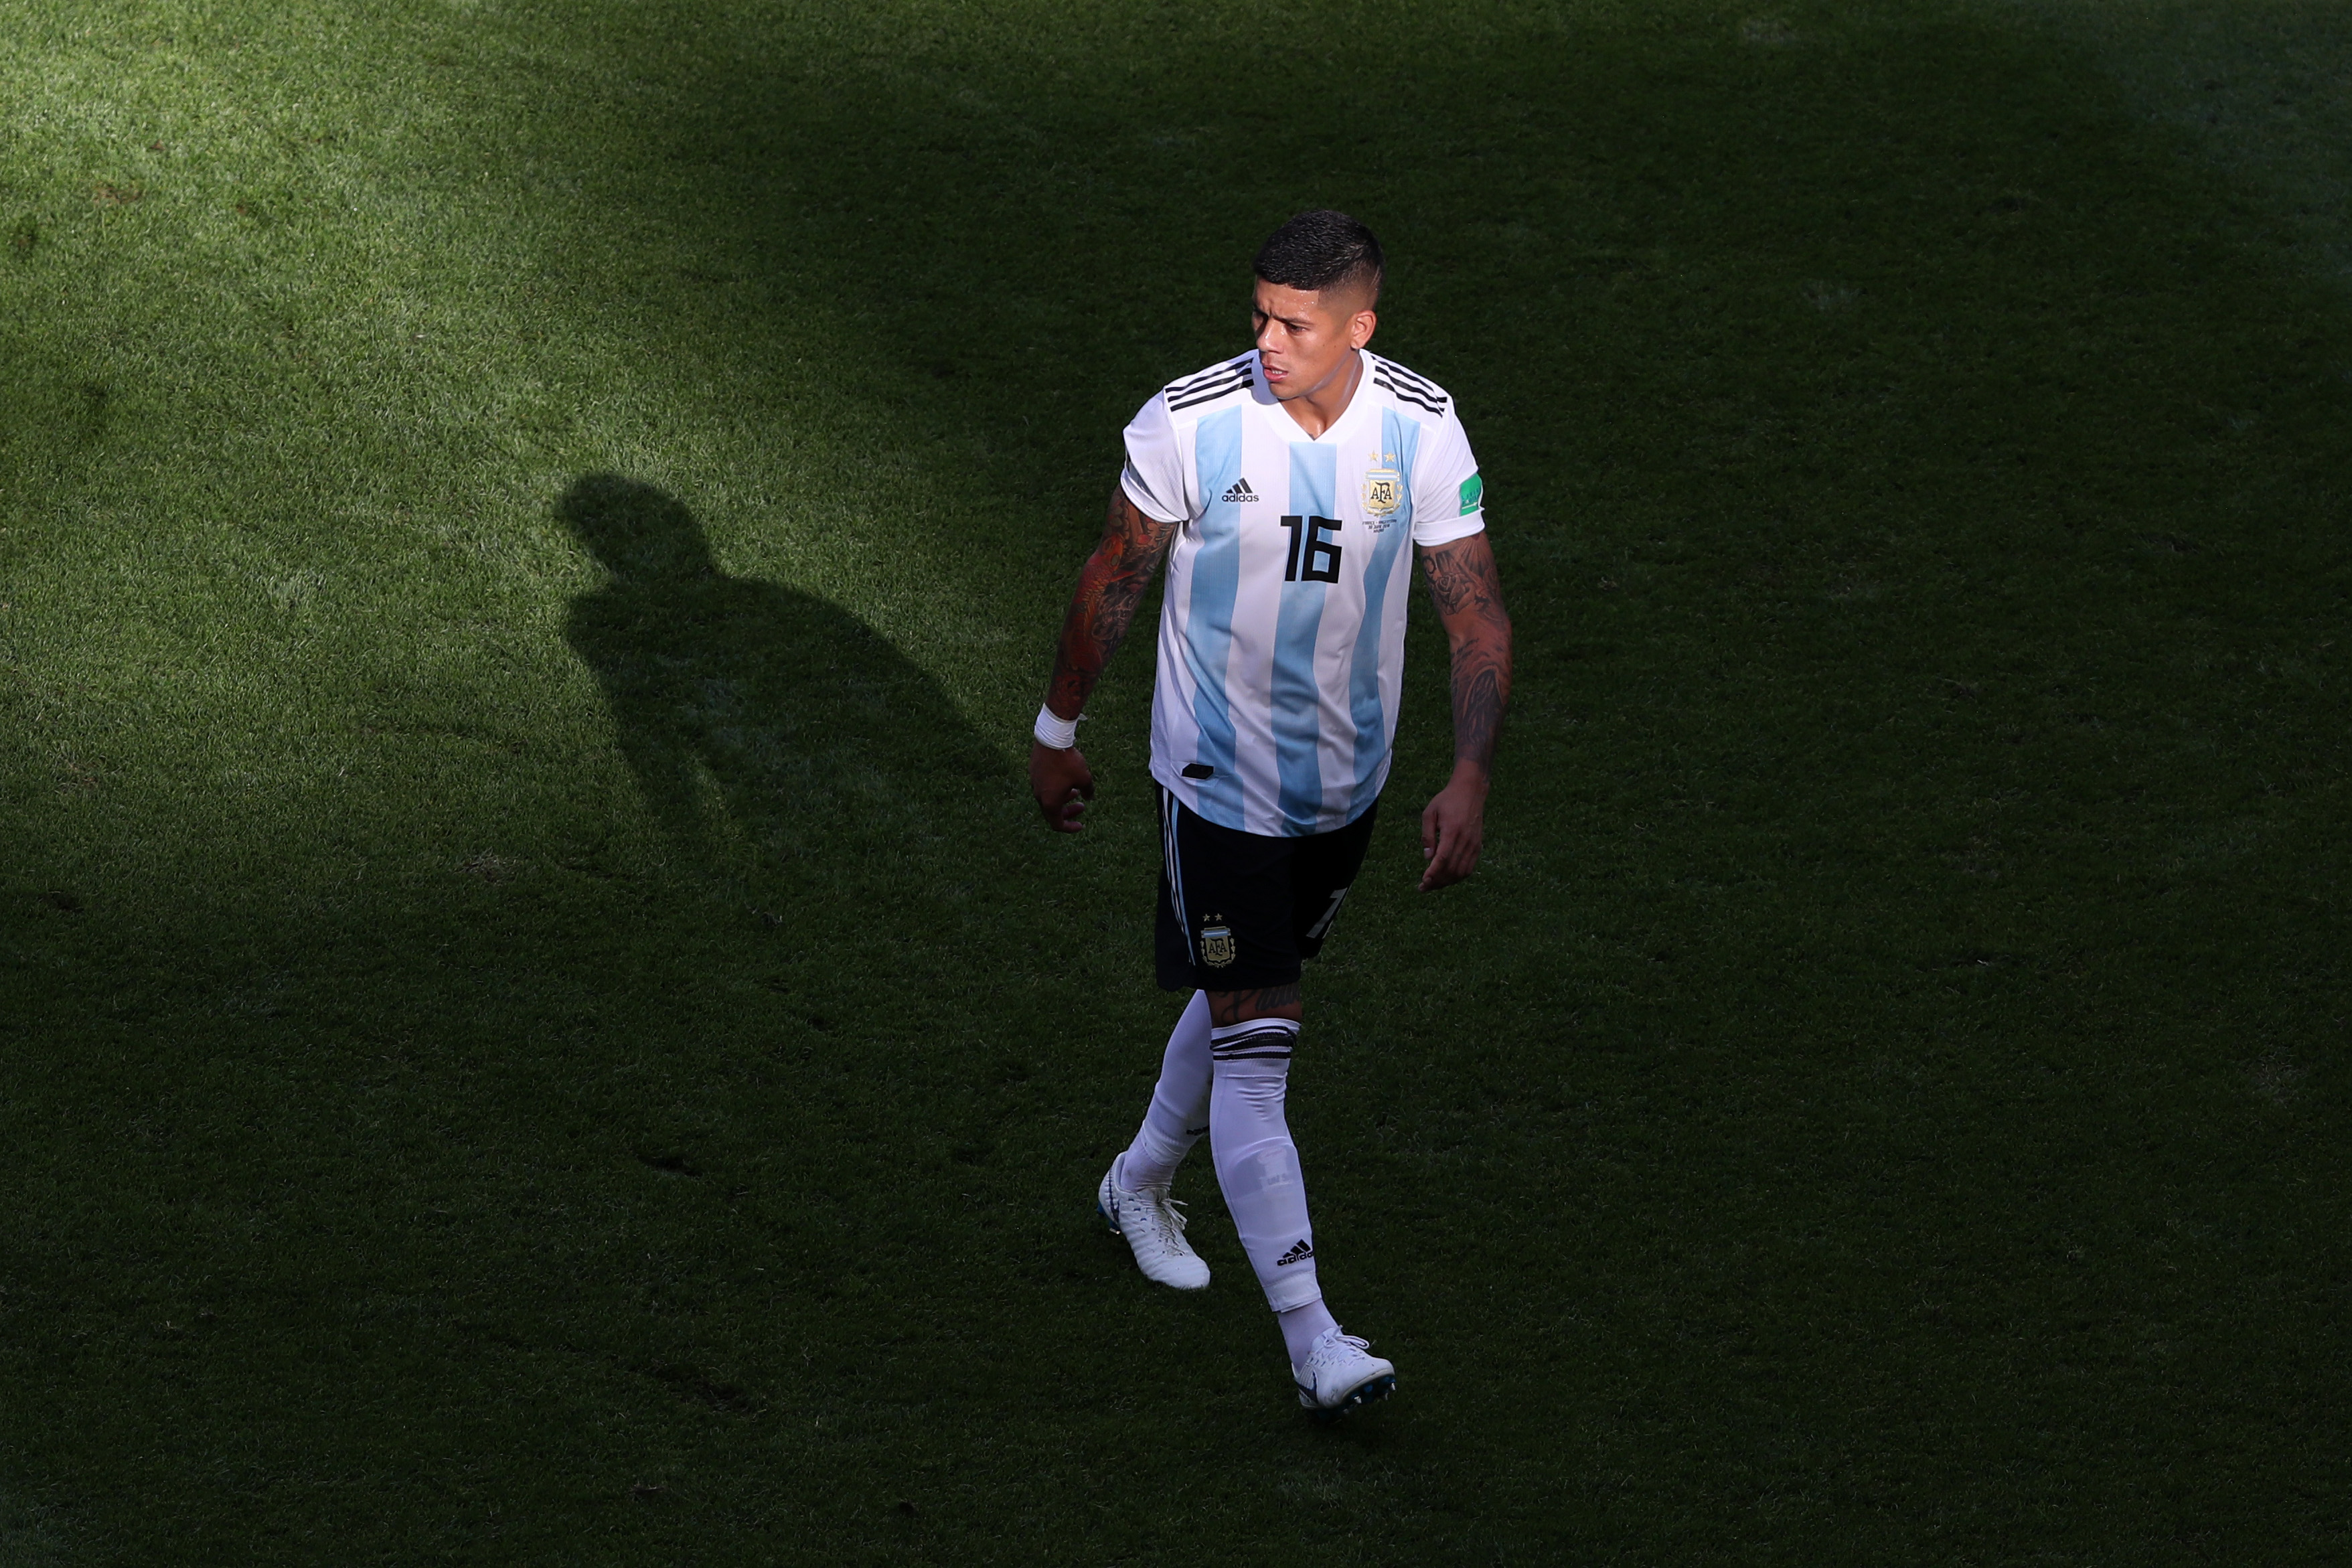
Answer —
536 1023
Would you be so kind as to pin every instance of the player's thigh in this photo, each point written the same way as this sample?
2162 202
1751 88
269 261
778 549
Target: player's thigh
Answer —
1225 908
1321 872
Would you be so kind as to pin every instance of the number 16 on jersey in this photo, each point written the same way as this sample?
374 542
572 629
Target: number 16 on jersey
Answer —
1313 558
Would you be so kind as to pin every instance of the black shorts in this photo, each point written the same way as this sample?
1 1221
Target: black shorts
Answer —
1239 910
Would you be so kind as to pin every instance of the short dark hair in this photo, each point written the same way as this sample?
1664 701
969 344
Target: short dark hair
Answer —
1322 249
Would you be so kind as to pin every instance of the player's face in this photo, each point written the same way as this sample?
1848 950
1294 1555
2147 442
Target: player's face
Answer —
1305 336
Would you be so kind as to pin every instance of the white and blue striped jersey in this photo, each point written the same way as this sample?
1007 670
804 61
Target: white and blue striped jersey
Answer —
1281 626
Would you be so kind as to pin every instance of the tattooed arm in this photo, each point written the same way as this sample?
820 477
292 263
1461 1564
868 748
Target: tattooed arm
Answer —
1110 586
1470 604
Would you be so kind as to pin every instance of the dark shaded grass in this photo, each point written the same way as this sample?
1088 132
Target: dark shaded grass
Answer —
1876 1102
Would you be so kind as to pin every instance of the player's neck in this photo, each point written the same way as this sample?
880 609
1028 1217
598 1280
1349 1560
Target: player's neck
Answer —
1320 409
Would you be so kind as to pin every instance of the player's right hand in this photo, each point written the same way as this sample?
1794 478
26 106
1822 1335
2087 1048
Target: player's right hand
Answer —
1063 784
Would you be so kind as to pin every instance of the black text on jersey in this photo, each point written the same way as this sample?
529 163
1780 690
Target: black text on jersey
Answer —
1312 558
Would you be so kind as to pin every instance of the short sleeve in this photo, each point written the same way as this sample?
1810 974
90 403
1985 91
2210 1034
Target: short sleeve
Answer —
1449 499
1154 479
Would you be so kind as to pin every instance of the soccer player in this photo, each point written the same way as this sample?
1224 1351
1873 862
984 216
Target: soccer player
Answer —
1282 486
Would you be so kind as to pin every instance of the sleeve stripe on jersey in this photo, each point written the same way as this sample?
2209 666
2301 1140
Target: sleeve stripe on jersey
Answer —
1180 383
1211 395
1231 373
1420 395
1418 383
1178 388
1402 395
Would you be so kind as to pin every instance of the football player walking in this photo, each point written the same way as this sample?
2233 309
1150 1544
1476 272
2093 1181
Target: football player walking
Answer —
1281 487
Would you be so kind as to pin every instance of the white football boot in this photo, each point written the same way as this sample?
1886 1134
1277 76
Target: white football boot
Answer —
1153 1228
1338 1376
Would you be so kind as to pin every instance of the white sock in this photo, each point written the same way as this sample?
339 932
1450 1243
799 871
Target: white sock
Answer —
1257 1165
1179 1111
1302 1326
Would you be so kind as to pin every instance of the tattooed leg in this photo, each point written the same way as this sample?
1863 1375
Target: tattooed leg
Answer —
1228 1008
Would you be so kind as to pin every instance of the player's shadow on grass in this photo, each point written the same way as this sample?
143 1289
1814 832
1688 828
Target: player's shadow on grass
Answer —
787 748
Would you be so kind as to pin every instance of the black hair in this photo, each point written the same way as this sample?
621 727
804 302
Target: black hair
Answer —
1321 250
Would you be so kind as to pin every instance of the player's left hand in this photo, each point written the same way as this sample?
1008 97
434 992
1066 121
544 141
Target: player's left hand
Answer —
1454 829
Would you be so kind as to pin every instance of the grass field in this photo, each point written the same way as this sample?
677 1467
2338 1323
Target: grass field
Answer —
536 1023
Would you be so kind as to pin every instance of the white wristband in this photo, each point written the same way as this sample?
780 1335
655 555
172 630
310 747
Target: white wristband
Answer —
1055 731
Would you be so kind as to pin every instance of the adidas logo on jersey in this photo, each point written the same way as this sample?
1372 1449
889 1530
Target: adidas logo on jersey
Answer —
1298 1253
1239 493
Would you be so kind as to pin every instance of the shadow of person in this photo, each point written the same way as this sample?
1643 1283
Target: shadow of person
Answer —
776 737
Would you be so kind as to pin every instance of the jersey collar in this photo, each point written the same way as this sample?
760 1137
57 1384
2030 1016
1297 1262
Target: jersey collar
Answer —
1271 406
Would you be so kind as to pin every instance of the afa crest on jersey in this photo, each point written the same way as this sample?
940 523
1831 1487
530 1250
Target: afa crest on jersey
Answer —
1384 492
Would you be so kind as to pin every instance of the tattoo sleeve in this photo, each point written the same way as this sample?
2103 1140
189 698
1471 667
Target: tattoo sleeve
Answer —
1469 596
1110 587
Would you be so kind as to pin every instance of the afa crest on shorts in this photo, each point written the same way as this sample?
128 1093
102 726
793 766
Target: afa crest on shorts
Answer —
1217 944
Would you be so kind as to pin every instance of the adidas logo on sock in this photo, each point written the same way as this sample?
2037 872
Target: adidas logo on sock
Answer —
1239 493
1298 1253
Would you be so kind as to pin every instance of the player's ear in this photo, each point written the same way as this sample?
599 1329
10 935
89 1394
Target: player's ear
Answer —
1359 328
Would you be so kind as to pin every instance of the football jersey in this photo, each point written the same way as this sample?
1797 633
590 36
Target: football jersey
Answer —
1282 625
